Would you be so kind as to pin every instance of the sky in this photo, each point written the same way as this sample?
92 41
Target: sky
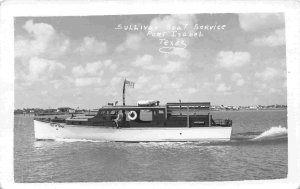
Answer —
225 59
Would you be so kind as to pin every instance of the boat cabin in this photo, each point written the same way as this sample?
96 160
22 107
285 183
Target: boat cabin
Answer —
192 114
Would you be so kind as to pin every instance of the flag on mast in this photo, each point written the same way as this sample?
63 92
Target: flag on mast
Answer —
129 83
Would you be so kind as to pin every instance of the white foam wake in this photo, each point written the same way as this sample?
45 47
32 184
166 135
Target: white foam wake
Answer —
273 132
77 140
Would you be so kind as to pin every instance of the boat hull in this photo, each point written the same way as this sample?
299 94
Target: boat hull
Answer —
50 131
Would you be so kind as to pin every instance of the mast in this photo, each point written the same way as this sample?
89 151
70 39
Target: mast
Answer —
131 84
123 111
124 92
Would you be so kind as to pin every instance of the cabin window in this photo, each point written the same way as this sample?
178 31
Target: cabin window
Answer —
158 112
145 115
103 113
113 112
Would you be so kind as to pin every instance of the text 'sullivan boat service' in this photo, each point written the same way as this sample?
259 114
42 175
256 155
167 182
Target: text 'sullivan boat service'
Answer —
147 121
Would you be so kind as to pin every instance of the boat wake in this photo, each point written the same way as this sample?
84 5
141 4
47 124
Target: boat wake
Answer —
273 133
77 140
277 133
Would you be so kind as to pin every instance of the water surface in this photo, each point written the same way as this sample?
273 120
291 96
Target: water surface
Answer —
257 150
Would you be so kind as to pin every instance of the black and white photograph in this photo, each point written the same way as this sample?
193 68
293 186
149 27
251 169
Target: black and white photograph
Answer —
160 97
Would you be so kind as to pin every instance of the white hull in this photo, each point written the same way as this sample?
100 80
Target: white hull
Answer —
46 131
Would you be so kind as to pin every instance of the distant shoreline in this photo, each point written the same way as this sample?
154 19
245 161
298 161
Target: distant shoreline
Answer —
249 110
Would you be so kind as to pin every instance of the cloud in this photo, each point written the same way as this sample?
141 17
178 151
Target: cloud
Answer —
229 59
113 87
41 68
218 77
261 85
268 74
93 68
273 91
146 63
238 79
42 39
90 45
176 85
116 80
192 90
144 60
172 66
180 52
164 78
108 63
91 73
132 41
240 82
87 81
40 30
90 69
113 67
38 70
276 38
272 24
274 62
162 24
56 83
142 81
44 93
155 87
124 73
170 26
255 22
169 67
207 84
223 88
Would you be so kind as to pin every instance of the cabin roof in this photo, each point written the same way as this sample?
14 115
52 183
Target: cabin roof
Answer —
188 104
197 105
193 105
132 108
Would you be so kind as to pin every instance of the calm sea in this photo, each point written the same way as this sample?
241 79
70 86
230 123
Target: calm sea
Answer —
257 150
